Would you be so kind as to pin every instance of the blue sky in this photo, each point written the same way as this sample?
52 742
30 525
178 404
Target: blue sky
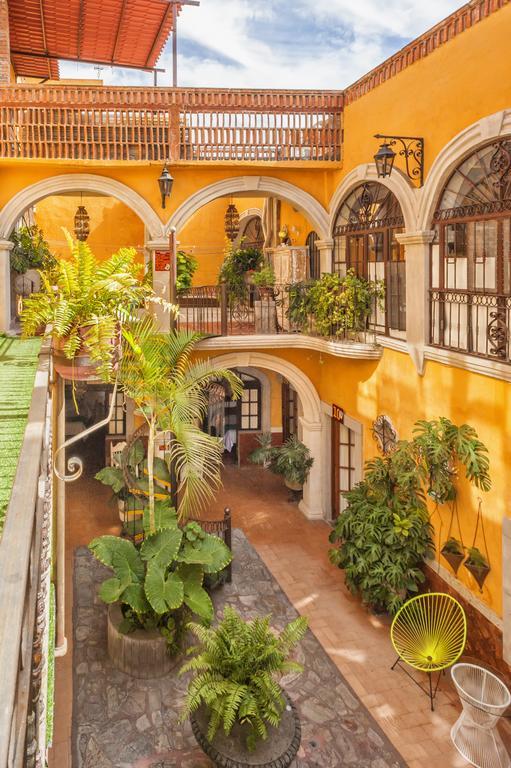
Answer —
284 44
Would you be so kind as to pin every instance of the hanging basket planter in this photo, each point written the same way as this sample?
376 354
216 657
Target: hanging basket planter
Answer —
479 572
454 559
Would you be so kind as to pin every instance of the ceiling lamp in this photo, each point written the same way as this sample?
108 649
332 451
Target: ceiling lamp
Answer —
82 223
232 222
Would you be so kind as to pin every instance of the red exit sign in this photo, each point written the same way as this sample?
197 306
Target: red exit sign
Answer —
337 413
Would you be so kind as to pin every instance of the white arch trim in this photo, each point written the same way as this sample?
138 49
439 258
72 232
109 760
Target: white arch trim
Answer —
79 182
467 141
265 185
398 183
307 393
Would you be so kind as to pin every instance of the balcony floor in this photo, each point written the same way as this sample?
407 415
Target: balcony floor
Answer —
295 552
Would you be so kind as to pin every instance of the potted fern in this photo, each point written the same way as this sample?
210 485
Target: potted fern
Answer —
153 587
81 302
240 714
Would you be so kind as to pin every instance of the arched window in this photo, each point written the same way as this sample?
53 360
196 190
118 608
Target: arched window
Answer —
251 233
314 255
364 240
471 256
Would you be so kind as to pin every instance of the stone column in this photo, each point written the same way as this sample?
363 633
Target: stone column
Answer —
161 283
312 502
5 284
506 588
326 252
417 252
5 48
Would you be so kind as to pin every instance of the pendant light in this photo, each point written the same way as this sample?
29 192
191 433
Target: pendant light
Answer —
232 222
82 222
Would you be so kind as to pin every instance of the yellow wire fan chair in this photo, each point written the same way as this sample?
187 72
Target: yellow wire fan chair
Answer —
429 633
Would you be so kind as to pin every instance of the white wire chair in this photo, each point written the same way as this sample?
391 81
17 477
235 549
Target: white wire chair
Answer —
484 698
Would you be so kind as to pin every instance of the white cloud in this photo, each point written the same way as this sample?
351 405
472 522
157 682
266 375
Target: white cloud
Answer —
284 44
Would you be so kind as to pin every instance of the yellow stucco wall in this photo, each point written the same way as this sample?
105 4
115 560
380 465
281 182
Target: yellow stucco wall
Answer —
391 386
112 224
437 97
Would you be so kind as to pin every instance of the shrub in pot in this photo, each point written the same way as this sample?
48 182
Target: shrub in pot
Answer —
186 266
235 703
238 266
292 460
151 585
384 534
264 280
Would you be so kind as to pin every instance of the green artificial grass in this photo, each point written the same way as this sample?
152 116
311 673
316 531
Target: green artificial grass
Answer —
18 364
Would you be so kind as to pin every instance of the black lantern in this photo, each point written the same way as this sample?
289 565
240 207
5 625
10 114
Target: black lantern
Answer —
82 223
232 222
411 149
384 160
165 183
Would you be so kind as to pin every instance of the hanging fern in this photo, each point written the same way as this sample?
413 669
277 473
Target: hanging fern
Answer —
83 299
235 671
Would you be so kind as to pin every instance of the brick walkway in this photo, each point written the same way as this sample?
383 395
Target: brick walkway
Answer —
295 551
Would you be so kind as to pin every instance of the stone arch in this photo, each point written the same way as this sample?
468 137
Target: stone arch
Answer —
405 192
267 185
79 182
467 141
312 504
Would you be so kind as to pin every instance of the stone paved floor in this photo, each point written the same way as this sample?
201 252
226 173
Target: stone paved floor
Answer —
121 722
295 551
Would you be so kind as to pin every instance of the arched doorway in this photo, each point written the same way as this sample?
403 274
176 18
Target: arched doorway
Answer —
470 281
251 232
310 429
365 230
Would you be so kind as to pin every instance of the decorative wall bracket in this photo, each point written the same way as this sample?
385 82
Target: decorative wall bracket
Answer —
411 148
75 463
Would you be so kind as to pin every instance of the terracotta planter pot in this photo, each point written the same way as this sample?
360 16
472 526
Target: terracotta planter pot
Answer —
142 653
265 291
277 751
80 368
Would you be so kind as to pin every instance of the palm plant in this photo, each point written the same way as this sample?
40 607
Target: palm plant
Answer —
235 667
171 392
83 299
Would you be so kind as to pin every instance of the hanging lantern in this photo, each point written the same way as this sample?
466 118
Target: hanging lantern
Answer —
232 222
82 219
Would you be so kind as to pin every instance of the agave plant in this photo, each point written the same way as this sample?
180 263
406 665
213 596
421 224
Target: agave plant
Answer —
236 667
171 393
167 572
82 300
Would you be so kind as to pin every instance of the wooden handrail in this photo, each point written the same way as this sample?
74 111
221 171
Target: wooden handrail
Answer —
63 122
20 547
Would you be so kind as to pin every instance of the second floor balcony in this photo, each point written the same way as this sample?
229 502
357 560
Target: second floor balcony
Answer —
187 125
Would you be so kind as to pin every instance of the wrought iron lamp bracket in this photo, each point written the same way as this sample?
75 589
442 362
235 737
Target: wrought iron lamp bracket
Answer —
75 463
412 150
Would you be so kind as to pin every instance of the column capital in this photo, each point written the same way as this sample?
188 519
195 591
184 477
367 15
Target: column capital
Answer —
6 245
422 237
327 242
157 245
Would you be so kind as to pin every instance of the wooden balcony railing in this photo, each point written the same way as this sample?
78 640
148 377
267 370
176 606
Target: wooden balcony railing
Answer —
211 311
182 125
472 322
